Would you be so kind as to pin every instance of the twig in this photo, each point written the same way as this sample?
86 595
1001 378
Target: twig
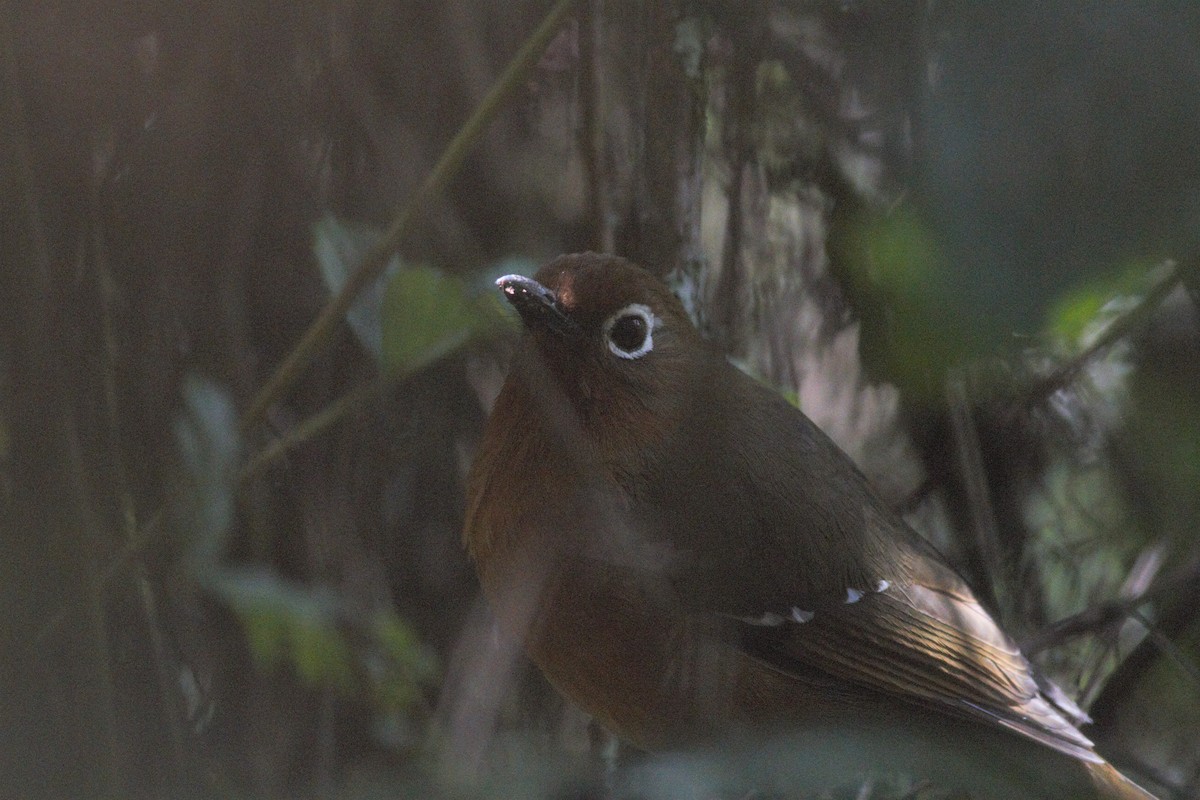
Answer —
376 259
1105 614
1117 329
315 424
123 560
1176 600
1168 648
974 481
119 475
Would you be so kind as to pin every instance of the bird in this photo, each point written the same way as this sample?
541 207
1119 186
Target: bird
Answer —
691 560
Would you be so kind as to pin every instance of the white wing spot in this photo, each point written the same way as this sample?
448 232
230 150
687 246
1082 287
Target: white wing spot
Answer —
882 586
801 616
853 596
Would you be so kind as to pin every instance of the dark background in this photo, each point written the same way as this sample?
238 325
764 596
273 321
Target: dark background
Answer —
962 236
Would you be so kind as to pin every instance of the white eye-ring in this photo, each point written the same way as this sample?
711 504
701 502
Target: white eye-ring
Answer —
629 333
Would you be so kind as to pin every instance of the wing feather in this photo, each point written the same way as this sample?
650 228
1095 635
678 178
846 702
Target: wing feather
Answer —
820 577
933 648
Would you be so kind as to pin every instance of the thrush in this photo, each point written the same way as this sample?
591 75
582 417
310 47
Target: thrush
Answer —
691 560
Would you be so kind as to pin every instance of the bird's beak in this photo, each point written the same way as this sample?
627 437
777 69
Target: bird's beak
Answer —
537 305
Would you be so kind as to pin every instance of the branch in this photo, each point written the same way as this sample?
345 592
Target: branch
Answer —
1101 616
319 333
1119 328
314 425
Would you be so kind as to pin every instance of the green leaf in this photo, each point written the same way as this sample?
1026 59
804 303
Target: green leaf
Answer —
411 316
340 247
287 623
321 655
903 258
1074 312
426 315
312 631
894 260
1081 313
406 663
206 434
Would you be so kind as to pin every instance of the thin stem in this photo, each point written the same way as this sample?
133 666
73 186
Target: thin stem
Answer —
167 697
1119 328
314 425
975 485
121 562
319 333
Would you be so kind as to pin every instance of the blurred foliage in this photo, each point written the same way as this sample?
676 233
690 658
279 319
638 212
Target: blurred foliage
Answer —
413 314
1081 313
426 315
339 248
371 656
378 659
210 448
289 625
896 258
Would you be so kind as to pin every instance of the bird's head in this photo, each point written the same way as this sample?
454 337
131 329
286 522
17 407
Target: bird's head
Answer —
617 342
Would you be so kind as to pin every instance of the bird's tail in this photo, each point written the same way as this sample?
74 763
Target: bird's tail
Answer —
1112 785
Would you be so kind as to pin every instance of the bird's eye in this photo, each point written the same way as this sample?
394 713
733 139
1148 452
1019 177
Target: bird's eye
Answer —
629 333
